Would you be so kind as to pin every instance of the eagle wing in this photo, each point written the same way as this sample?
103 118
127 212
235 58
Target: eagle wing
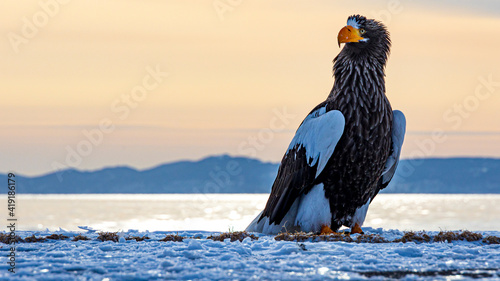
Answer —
306 157
398 135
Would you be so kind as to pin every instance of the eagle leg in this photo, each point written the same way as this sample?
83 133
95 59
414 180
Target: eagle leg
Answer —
326 230
356 229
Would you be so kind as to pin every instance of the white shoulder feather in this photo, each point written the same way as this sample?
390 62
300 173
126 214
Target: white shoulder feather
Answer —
319 133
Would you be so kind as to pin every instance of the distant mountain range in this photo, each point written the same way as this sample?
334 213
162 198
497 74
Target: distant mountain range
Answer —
225 174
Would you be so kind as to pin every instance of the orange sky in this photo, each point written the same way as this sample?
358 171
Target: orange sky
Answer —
171 80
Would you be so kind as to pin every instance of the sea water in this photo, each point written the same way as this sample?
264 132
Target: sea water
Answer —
223 212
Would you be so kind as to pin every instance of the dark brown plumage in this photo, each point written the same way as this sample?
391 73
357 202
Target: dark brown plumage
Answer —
367 149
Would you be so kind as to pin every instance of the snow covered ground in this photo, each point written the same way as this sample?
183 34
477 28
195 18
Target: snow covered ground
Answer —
197 257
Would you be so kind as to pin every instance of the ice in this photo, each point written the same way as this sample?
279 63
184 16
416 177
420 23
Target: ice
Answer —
197 257
410 251
194 244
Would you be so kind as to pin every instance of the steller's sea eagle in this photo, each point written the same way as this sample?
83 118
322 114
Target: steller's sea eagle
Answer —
347 148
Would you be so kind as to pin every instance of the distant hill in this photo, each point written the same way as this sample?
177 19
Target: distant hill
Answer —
447 175
225 174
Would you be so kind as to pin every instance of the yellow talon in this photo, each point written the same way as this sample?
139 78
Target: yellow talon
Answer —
356 229
326 230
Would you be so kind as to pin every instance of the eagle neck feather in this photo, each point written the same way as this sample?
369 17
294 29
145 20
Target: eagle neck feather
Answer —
359 83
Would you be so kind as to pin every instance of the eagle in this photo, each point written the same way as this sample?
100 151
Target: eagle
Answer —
346 149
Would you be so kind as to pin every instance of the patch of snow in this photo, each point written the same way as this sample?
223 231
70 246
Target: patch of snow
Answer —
266 258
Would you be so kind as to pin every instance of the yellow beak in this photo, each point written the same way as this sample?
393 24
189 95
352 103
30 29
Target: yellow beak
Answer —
349 34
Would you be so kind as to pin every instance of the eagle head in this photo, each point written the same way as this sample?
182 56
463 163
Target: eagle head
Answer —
362 35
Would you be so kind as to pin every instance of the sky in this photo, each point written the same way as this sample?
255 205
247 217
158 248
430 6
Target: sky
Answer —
92 84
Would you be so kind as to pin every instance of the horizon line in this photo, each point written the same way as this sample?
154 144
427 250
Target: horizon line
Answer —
69 168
